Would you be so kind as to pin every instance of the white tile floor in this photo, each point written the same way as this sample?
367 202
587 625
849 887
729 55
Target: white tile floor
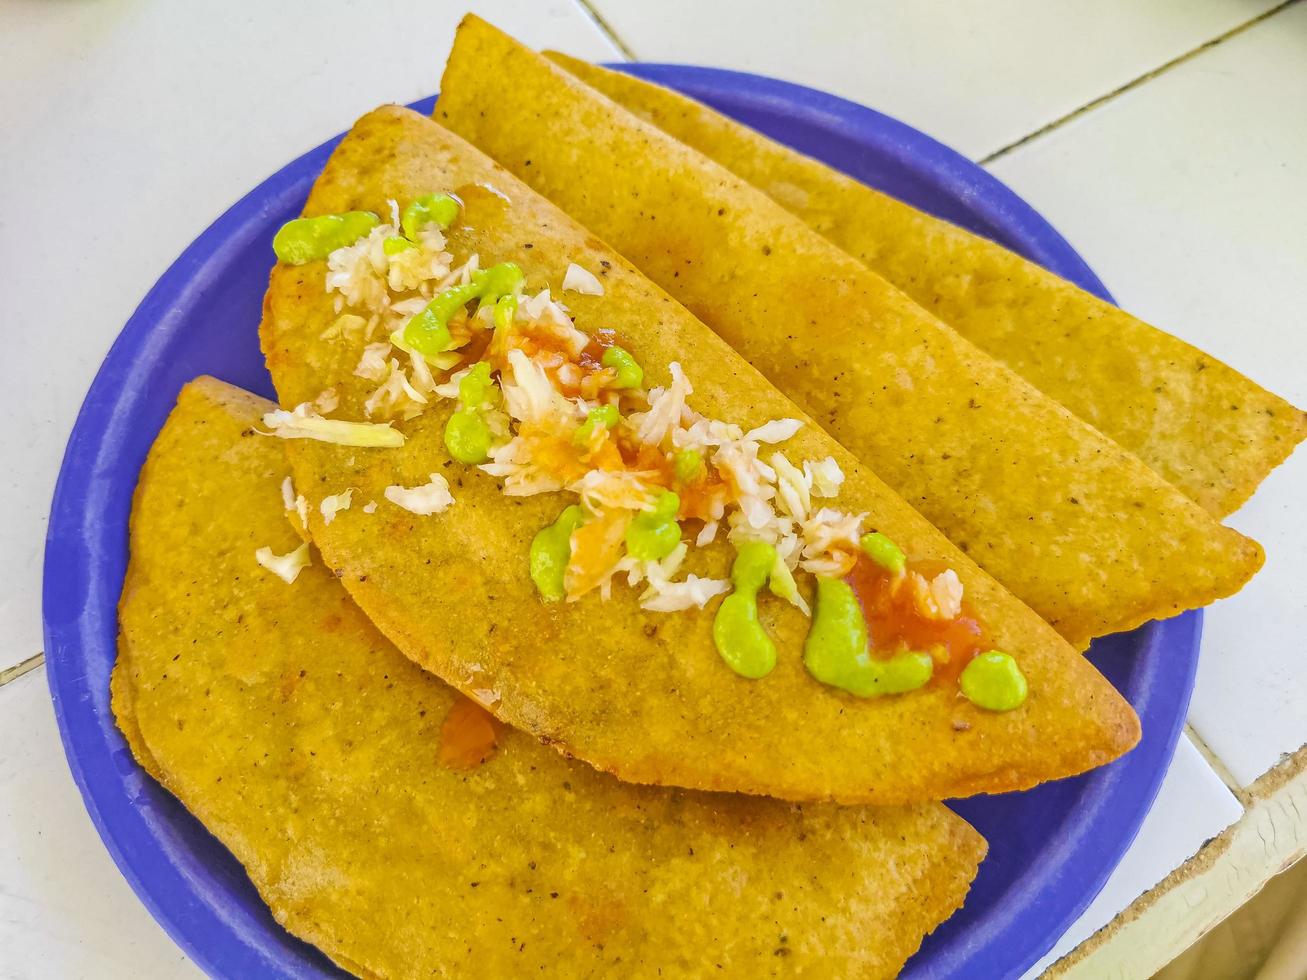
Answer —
65 911
101 100
1194 216
976 75
1192 805
1197 223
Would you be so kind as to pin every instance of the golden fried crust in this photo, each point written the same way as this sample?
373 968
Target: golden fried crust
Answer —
1200 424
309 746
1073 525
643 695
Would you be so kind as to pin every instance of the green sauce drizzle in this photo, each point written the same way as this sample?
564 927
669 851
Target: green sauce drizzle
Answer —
504 312
629 373
654 534
467 436
884 552
438 209
309 239
605 415
736 631
994 681
836 651
428 331
688 466
550 550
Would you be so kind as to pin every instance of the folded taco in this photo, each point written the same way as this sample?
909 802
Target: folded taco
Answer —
1200 424
552 486
393 824
1072 524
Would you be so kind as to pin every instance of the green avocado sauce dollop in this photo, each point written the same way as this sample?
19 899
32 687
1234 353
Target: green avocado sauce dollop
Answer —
310 239
736 630
836 650
994 681
428 331
550 550
654 533
467 434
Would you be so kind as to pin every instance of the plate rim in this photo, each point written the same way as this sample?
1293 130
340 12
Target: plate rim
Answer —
171 898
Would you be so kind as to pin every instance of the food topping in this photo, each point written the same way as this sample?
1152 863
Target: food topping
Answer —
628 373
545 407
469 432
334 504
551 549
308 239
429 333
906 612
301 423
736 630
286 567
589 434
653 534
884 552
994 681
438 209
837 651
583 281
430 498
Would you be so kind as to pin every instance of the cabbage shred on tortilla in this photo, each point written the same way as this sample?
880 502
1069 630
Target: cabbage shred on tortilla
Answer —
548 377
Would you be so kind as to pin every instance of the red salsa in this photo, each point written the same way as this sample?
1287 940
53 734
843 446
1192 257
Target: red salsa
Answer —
894 623
468 735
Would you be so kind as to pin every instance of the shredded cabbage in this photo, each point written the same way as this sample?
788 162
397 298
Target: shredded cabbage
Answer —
294 425
583 281
286 567
430 498
334 504
777 430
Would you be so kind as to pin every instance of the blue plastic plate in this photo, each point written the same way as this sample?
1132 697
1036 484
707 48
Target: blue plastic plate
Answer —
1050 849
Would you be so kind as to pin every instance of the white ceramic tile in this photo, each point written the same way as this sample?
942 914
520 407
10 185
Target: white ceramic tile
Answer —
976 75
1192 806
127 128
65 911
1186 195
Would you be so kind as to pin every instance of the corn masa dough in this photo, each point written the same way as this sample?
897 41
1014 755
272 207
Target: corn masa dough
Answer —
308 745
642 695
1080 530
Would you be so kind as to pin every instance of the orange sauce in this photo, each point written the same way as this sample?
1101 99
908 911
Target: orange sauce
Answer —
701 498
895 624
468 735
574 375
638 457
593 354
596 548
475 347
698 499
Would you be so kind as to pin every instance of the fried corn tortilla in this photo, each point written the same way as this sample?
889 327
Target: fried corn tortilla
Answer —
310 747
1073 525
641 694
1200 424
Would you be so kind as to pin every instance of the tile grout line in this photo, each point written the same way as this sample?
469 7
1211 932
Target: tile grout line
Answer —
1128 86
1217 766
588 8
18 670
